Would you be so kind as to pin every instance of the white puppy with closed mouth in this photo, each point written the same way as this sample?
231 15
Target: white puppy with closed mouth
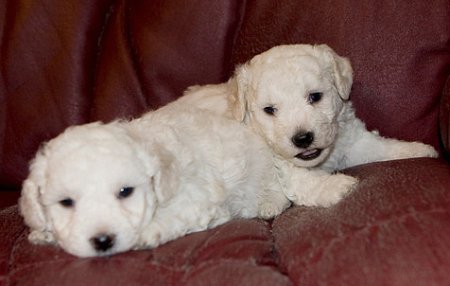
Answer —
100 189
296 97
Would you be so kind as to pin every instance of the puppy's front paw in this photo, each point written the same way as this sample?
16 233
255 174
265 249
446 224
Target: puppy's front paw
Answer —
41 237
150 238
268 210
272 203
334 188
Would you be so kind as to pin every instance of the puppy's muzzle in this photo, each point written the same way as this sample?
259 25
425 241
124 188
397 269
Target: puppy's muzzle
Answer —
304 140
103 242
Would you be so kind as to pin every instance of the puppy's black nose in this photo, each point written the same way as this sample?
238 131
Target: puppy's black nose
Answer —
303 139
103 242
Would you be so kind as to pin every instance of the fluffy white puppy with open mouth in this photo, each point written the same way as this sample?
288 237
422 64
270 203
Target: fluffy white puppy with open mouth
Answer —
296 97
100 189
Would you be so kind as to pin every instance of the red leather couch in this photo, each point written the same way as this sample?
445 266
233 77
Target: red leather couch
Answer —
74 61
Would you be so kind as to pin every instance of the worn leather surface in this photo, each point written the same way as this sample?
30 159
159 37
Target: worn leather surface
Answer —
76 61
391 231
444 119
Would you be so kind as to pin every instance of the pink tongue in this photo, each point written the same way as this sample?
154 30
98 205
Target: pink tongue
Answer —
309 152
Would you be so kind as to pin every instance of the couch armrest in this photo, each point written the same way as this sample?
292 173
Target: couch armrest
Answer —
444 118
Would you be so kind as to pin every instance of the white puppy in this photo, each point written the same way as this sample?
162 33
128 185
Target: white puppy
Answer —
296 97
99 189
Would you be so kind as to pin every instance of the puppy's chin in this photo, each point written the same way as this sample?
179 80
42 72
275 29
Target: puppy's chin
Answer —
90 252
77 250
85 249
310 158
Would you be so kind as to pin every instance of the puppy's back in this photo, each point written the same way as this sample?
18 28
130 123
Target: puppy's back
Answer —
214 148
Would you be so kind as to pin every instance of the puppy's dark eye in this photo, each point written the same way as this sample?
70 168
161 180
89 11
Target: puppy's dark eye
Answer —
270 110
314 97
67 202
125 192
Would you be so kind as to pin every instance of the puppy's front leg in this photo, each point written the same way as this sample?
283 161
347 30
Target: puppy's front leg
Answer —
314 187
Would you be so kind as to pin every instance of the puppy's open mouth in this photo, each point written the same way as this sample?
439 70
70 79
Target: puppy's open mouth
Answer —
309 154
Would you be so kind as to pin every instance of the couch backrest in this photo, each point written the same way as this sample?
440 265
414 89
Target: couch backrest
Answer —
71 62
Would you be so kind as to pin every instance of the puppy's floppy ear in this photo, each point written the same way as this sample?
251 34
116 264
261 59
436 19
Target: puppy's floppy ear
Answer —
160 165
166 177
341 70
30 203
239 85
